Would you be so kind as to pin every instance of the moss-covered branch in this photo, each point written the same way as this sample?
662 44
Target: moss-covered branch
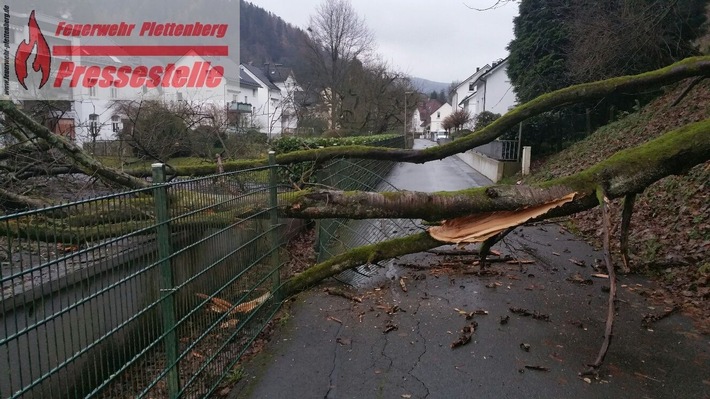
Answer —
627 172
367 254
690 67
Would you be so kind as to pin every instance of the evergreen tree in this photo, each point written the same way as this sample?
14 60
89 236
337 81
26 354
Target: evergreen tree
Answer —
537 53
442 96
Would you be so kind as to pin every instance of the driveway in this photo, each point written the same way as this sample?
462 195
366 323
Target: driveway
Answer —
397 342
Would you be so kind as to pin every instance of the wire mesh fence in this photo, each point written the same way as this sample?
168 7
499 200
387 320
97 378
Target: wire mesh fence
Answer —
148 293
336 236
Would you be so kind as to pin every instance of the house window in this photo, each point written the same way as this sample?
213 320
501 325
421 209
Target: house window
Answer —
253 92
115 124
438 115
94 125
179 96
114 92
234 98
471 86
246 100
92 90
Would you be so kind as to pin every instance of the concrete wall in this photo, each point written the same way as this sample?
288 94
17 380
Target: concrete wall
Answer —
492 169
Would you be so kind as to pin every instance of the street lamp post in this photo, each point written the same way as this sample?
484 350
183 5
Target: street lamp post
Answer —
405 118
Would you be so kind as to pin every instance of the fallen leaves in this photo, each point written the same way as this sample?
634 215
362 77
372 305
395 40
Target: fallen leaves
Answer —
402 284
389 327
577 279
469 315
465 335
537 368
527 313
650 318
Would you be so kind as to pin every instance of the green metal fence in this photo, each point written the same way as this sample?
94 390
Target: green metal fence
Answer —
148 293
336 236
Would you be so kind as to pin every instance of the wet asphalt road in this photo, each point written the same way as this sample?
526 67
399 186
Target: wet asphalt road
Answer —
397 344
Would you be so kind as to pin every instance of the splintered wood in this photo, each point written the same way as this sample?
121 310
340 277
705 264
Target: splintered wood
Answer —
480 227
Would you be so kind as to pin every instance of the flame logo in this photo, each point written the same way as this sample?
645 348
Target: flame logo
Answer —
42 61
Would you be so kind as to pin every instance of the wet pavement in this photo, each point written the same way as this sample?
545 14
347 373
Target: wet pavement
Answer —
396 343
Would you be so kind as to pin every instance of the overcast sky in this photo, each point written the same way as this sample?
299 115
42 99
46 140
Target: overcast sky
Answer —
439 40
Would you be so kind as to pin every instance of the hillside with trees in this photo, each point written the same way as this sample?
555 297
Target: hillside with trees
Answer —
560 43
267 38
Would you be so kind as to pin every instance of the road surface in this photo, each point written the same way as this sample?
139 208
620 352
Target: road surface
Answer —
397 343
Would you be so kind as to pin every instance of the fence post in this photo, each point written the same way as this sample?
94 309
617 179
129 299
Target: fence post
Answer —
167 290
274 216
525 167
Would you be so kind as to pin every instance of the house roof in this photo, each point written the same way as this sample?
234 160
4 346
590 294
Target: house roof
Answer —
426 109
494 67
278 74
246 81
479 71
231 68
259 74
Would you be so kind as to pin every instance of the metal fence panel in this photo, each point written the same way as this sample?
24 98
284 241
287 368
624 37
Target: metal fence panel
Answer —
336 236
147 293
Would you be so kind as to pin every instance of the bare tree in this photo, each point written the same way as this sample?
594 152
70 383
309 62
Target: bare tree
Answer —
337 38
457 120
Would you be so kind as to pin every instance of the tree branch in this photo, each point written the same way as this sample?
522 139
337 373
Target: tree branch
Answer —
626 172
690 67
87 163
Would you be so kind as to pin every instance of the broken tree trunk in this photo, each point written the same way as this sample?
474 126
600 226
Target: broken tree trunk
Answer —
501 207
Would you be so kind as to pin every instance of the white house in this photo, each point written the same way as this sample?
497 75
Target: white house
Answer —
98 111
438 116
273 108
421 118
465 89
492 91
415 122
285 80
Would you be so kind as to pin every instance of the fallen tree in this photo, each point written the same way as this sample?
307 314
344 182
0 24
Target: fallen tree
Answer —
482 215
477 214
